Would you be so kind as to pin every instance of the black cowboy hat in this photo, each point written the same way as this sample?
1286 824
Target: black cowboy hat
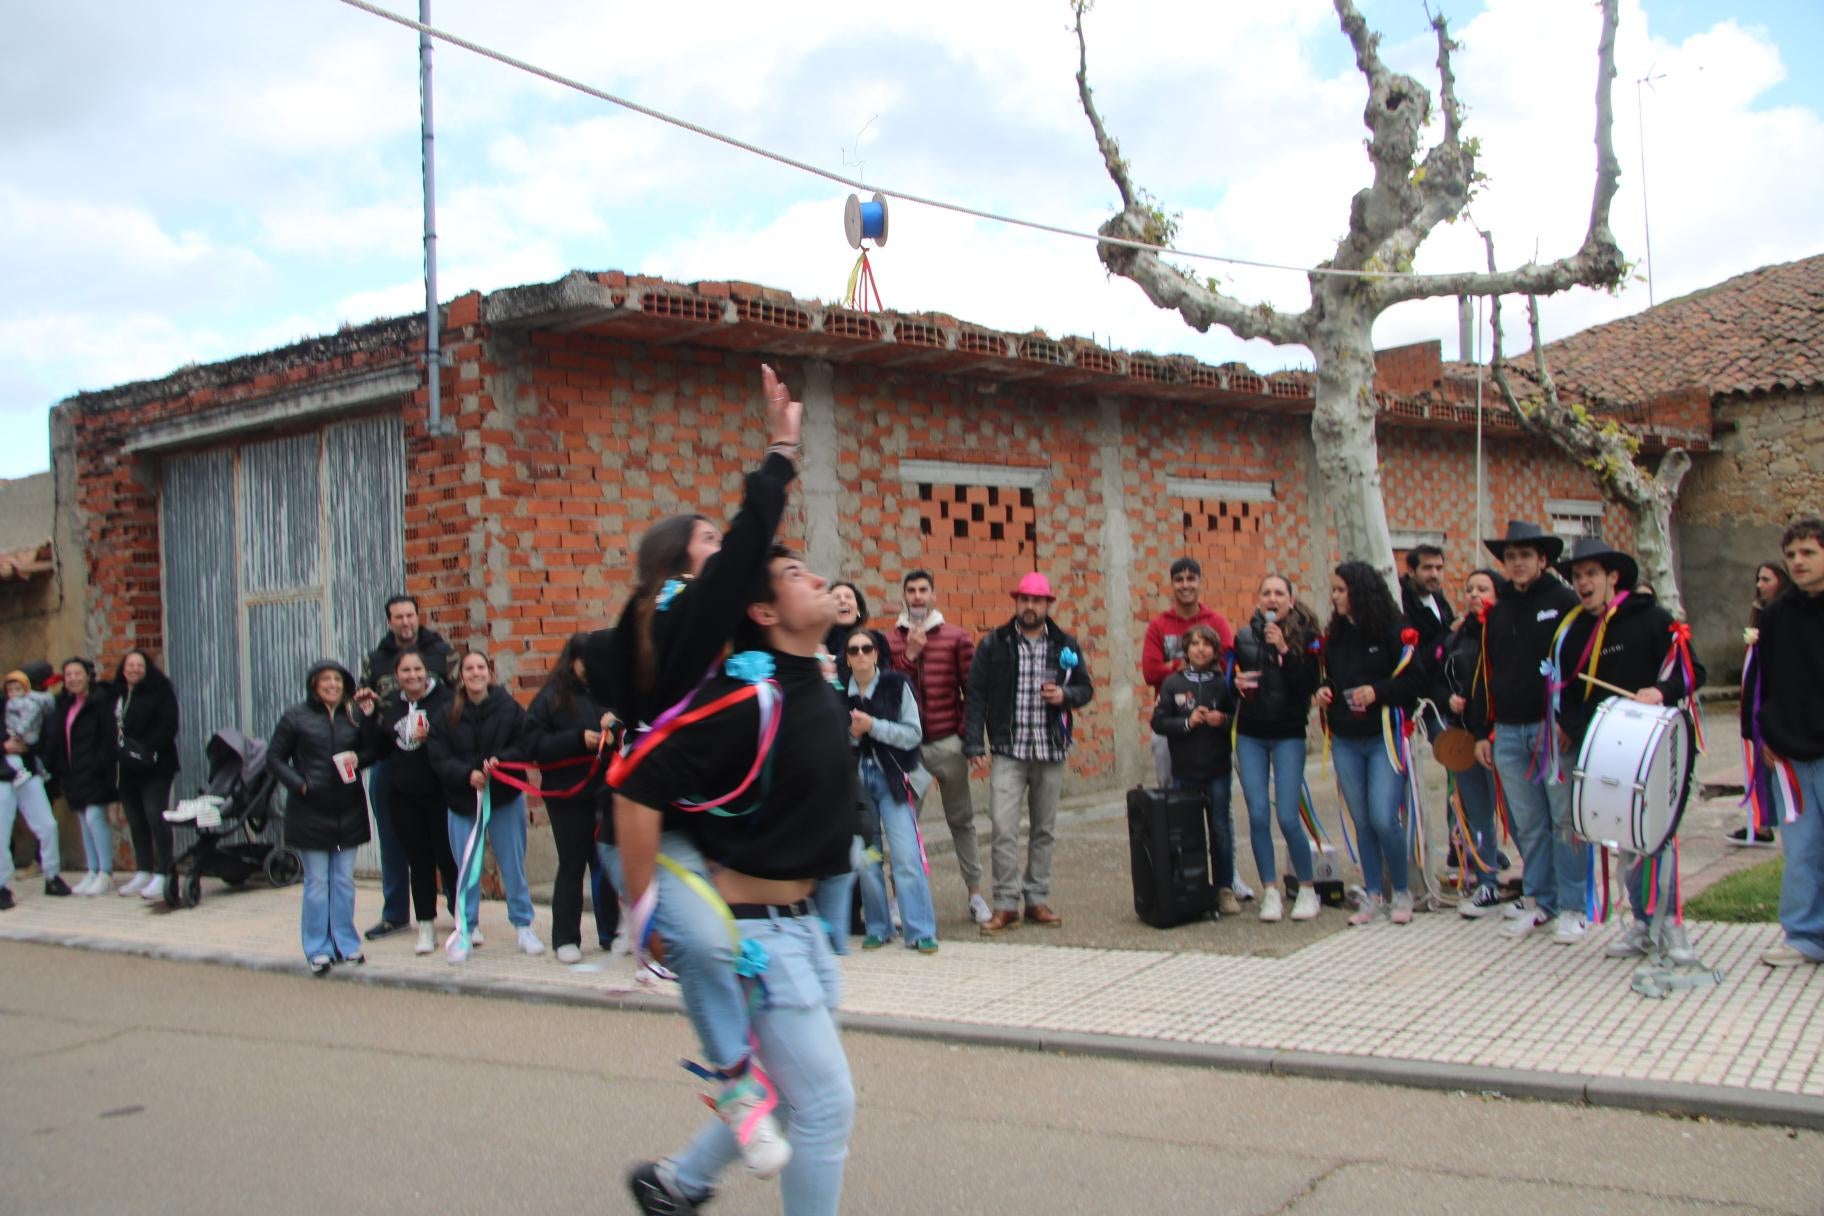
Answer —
1519 532
1593 549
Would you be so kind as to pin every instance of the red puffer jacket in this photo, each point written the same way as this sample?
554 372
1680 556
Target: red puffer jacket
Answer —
939 676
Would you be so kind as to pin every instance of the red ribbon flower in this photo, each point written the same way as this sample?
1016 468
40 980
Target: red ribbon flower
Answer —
1409 637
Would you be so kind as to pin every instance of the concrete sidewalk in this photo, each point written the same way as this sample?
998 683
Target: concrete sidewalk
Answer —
1442 1003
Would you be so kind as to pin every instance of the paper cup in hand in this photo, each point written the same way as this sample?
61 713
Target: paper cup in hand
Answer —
345 765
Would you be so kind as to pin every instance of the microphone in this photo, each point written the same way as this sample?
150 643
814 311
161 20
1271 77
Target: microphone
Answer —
1271 616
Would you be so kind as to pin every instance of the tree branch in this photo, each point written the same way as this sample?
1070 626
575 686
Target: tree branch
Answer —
1447 82
1140 219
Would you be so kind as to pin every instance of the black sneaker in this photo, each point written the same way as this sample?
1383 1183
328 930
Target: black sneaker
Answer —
6 899
56 886
655 1197
1486 902
356 961
384 928
1761 836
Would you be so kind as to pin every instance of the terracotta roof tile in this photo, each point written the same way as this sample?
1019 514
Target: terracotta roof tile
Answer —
23 565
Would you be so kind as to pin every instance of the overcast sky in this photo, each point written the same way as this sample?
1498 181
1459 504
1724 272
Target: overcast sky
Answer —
188 182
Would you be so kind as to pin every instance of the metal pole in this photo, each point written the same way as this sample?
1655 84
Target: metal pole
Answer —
433 337
1480 531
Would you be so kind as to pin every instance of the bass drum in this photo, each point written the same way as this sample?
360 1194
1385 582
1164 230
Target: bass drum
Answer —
1633 776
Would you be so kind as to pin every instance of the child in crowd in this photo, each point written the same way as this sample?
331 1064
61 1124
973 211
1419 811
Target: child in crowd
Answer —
26 710
1193 713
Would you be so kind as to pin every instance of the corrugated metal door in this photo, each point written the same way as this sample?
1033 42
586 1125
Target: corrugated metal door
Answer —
277 553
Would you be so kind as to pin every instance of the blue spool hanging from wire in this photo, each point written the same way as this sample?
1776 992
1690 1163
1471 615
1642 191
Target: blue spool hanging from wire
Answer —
863 224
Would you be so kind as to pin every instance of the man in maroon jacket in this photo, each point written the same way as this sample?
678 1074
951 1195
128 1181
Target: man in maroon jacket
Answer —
936 655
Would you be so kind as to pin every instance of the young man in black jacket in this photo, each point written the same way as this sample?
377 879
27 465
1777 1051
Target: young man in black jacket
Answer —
1790 727
1636 653
1027 679
1521 626
404 631
1427 609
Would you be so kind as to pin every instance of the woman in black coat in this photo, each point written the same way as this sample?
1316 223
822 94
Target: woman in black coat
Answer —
145 717
485 724
78 748
398 732
567 724
316 752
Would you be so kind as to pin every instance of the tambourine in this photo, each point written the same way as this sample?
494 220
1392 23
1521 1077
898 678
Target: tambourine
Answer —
1455 749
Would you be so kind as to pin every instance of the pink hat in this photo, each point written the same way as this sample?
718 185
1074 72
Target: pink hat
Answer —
1035 584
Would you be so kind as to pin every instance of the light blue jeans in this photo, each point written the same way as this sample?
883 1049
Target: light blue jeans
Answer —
698 951
327 921
507 835
911 886
834 899
1284 760
1476 786
97 839
796 1026
1802 840
28 802
1372 790
1557 864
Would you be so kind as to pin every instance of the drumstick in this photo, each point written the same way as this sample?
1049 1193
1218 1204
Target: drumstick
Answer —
1614 688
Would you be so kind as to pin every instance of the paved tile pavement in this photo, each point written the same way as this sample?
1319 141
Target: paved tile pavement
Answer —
1442 993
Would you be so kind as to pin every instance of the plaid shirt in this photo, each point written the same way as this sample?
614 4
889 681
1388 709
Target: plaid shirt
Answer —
1032 718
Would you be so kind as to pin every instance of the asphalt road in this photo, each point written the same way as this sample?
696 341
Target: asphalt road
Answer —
140 1086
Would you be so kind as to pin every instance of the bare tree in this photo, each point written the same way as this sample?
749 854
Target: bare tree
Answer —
1608 450
1411 194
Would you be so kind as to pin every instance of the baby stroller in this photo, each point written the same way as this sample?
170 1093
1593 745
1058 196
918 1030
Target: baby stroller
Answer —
235 829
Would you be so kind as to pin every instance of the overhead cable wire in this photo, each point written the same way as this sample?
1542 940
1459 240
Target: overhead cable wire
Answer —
684 124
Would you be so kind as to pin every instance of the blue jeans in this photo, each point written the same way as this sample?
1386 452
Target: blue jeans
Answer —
1219 829
911 886
1284 759
98 839
1802 841
1476 786
796 1026
327 922
698 951
395 881
1557 874
1372 790
834 899
507 834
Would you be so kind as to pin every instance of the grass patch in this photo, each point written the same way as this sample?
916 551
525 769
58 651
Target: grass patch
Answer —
1750 896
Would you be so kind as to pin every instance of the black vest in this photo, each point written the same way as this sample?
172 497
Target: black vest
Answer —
890 689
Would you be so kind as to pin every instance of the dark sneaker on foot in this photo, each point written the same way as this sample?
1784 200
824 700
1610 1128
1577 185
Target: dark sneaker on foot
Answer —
870 942
1486 902
385 928
56 886
6 899
1761 836
656 1196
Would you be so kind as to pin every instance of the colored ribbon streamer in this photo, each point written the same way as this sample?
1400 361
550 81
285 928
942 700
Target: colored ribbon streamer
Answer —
503 771
468 873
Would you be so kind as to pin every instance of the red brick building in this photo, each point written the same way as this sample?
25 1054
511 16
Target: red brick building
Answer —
243 517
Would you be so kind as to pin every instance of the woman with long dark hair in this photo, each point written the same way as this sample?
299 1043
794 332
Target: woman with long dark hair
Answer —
484 724
1770 582
146 725
1276 671
567 724
1371 670
78 748
1462 686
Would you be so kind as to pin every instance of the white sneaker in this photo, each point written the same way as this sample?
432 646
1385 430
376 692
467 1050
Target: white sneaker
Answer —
1519 926
1519 908
86 886
454 950
979 911
568 953
746 1105
427 938
1242 890
1272 905
1306 904
620 947
135 884
104 883
1570 928
154 890
475 936
528 941
1631 944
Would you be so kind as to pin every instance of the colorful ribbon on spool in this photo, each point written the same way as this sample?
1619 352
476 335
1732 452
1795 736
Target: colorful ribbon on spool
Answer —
862 223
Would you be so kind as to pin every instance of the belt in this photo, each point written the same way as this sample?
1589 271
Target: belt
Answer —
768 911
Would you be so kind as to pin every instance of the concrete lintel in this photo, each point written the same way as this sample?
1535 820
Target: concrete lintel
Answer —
543 304
963 473
303 403
1225 490
1412 538
1574 506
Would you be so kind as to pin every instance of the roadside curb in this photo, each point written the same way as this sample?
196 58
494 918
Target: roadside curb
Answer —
1659 1097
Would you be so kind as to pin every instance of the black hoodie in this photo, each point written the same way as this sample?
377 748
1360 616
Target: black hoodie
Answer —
1634 648
1520 630
1791 663
1351 660
411 771
495 727
439 660
324 810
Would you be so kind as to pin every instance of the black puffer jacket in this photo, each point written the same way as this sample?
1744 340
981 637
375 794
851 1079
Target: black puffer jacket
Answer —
324 811
1280 705
557 734
147 713
493 728
410 772
84 767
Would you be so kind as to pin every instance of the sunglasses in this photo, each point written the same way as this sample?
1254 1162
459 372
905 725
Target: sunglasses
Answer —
864 648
